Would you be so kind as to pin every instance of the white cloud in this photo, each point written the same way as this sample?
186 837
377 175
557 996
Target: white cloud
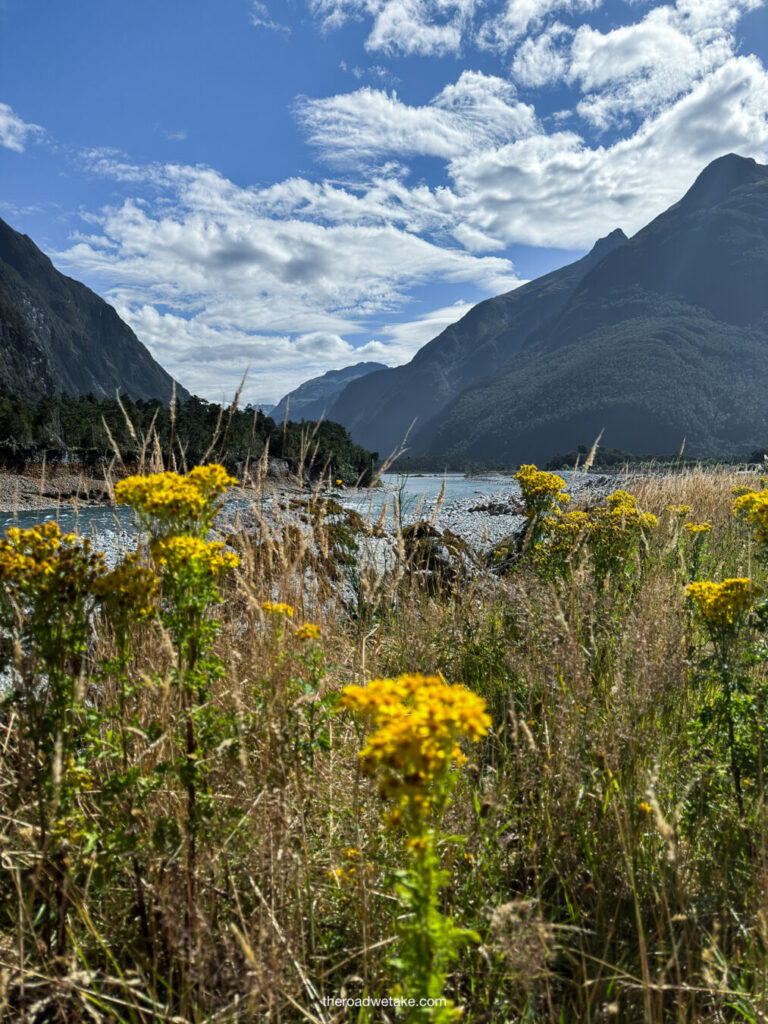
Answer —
437 27
503 30
404 26
424 27
476 112
541 60
403 340
215 277
639 68
557 190
13 131
211 361
261 18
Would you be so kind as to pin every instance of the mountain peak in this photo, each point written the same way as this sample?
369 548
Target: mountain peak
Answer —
608 243
721 177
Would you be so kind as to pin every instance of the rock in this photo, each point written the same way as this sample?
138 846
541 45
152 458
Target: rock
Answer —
278 469
437 560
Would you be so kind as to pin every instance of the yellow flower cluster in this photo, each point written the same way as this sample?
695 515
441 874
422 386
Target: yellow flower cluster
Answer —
563 534
175 553
721 605
621 514
753 508
623 505
541 491
679 510
418 721
129 590
45 560
695 529
212 481
568 526
166 496
279 610
309 631
175 500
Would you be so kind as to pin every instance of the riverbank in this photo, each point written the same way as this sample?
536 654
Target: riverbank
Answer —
29 492
488 511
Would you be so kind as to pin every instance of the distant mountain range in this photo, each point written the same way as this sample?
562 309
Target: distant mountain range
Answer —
57 336
312 399
655 339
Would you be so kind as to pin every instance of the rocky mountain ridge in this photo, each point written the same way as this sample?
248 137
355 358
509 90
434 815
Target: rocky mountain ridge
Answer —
57 336
312 399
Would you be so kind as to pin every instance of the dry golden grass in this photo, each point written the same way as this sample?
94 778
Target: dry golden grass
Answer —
606 866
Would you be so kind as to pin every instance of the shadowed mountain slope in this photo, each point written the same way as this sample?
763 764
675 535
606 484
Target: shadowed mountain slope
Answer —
58 336
663 337
379 409
665 340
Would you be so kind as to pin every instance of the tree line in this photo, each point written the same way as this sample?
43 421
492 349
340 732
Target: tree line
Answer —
86 426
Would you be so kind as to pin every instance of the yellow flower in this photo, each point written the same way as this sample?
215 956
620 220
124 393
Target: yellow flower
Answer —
693 529
309 631
722 605
175 501
211 480
419 843
644 807
339 482
542 492
273 608
417 722
753 508
679 510
129 591
42 560
176 553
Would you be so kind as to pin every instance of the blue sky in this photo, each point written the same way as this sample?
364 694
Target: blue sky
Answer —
290 186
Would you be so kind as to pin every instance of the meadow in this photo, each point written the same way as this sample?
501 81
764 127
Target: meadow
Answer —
525 786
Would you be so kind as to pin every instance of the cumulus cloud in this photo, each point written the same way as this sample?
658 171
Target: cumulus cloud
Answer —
504 29
423 27
14 132
211 361
638 68
476 112
542 60
215 277
557 190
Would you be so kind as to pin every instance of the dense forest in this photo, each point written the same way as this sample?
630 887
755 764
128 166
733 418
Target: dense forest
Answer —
89 429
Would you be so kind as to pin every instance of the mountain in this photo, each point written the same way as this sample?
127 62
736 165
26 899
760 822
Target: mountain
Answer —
379 409
664 337
312 399
57 336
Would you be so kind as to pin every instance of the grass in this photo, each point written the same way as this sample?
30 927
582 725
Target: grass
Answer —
603 858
